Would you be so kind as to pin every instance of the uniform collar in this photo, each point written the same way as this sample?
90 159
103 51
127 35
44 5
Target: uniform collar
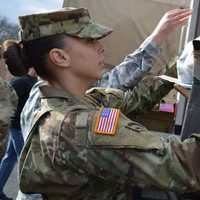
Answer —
48 91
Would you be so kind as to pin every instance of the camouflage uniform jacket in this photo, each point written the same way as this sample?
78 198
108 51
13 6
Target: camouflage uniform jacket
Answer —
8 104
64 159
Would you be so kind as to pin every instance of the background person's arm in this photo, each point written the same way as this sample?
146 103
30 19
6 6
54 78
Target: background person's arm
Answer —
8 105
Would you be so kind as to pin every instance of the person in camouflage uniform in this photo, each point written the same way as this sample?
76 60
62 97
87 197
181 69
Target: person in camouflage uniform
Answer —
83 146
124 76
8 104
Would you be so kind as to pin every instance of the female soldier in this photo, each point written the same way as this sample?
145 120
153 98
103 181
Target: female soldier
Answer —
81 146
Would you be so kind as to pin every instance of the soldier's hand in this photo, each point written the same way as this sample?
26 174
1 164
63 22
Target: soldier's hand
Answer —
169 23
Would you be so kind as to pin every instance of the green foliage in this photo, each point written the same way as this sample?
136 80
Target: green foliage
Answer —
8 30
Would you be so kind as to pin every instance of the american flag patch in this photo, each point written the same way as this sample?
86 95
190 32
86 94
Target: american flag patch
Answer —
107 121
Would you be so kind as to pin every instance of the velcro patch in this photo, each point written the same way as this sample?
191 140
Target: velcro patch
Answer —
107 121
81 120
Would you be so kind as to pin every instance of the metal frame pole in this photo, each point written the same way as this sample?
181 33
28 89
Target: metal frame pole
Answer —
193 31
189 124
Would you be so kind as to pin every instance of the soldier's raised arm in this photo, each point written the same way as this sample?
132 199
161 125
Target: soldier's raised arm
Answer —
136 65
140 99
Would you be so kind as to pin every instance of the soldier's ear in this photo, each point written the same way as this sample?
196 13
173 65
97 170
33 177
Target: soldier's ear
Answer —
59 57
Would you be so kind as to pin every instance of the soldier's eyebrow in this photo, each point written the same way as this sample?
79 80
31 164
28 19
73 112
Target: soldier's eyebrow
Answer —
90 40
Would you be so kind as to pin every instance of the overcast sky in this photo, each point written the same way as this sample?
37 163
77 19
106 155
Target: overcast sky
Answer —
13 8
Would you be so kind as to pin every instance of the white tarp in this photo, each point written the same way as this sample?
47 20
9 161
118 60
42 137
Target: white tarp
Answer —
180 3
132 21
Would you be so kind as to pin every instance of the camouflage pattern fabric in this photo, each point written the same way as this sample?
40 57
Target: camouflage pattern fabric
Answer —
64 159
8 104
75 22
134 67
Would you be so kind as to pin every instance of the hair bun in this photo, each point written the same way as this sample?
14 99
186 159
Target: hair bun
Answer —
14 58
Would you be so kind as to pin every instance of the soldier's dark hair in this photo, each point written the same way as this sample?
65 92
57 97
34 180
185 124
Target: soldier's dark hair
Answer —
19 56
11 51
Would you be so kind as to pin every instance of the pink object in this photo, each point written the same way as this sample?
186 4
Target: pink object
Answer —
166 107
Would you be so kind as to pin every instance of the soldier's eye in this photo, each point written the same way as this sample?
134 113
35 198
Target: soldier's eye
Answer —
89 40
